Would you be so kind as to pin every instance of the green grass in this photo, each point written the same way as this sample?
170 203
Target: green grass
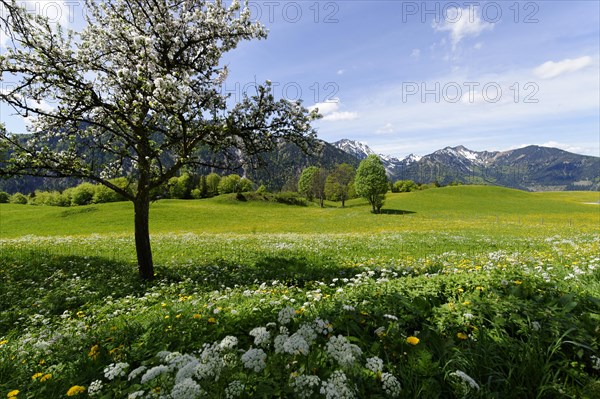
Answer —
499 284
474 207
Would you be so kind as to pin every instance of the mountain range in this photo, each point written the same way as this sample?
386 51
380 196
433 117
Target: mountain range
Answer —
531 168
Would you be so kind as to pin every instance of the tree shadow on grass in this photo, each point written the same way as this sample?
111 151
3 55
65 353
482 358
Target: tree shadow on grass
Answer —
395 212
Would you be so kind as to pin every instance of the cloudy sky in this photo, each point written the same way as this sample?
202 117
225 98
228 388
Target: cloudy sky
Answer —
413 77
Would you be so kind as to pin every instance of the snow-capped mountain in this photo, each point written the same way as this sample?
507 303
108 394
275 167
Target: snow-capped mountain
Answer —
530 168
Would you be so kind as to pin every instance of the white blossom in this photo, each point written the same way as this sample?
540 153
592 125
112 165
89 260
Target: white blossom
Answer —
115 370
343 351
466 378
336 387
261 336
255 359
186 389
374 364
286 315
235 389
304 385
391 385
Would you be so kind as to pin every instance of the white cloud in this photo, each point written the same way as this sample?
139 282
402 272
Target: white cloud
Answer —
416 53
551 69
341 71
330 112
462 23
388 128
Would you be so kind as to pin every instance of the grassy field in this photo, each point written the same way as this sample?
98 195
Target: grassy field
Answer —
456 292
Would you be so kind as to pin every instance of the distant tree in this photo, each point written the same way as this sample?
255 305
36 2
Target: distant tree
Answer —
212 184
83 194
312 184
229 184
4 197
371 181
338 184
180 187
404 186
137 92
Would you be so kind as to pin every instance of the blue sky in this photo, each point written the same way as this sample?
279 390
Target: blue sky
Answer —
413 77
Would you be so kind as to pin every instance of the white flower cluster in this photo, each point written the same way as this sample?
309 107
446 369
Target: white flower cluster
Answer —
235 389
261 336
391 385
228 343
186 389
343 351
255 359
115 370
95 388
466 378
296 344
135 395
374 364
304 385
210 362
336 387
323 326
286 315
136 372
153 373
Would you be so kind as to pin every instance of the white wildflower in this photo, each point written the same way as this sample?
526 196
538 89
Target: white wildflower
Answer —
323 326
304 385
254 359
374 364
296 344
308 332
336 387
286 315
348 308
536 326
466 378
115 370
186 389
95 388
391 317
211 363
391 385
136 373
343 351
135 395
153 373
229 342
235 389
261 336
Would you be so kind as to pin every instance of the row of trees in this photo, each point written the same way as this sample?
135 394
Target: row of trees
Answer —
343 182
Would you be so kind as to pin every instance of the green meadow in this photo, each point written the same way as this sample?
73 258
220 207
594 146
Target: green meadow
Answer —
456 292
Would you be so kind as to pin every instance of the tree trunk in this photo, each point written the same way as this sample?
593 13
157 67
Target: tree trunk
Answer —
142 238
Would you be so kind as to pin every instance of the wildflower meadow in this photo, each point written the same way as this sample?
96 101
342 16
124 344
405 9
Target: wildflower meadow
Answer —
445 307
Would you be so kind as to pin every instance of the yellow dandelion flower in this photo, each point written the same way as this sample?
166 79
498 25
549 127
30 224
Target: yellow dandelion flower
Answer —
479 288
413 340
212 320
45 377
462 335
80 314
518 282
94 352
3 342
197 315
36 376
75 390
178 316
13 393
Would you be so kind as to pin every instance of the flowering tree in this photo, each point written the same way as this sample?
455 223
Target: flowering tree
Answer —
137 94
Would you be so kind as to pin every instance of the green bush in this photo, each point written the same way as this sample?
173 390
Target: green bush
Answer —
180 187
4 197
229 184
49 198
18 198
83 194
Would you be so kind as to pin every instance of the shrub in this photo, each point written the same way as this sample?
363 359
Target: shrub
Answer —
245 185
212 184
49 198
404 186
83 194
18 198
180 187
229 184
4 197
